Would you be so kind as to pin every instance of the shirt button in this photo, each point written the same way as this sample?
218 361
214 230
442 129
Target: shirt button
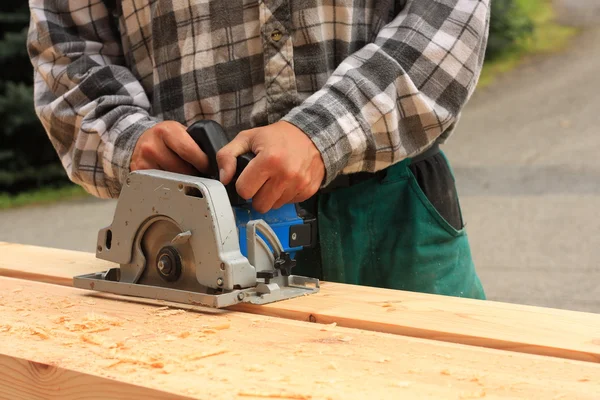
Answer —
276 35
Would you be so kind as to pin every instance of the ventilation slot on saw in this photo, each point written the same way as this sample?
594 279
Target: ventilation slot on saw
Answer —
193 192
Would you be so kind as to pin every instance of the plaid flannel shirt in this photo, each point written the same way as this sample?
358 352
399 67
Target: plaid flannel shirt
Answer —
371 82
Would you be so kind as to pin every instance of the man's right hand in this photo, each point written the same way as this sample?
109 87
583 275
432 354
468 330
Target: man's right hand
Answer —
167 146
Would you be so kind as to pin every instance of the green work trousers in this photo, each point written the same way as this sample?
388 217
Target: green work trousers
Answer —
386 233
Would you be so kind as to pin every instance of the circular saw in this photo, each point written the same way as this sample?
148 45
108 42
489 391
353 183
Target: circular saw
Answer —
193 240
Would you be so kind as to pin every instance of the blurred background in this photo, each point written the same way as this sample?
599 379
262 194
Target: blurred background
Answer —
525 156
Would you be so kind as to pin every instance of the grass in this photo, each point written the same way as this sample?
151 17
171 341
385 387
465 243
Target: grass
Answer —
42 196
548 37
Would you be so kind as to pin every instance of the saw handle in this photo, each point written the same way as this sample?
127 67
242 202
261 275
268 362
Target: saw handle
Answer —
210 137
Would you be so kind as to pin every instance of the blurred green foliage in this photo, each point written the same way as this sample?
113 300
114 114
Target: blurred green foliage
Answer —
509 24
28 160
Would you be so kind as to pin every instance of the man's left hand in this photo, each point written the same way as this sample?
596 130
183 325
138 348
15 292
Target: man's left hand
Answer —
288 167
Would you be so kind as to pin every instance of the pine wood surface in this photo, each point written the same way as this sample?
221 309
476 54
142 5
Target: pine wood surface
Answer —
535 330
202 353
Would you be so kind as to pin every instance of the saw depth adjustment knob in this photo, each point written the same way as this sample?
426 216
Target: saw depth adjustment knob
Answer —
285 263
168 263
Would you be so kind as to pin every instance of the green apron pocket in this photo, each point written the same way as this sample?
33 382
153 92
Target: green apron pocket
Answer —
433 212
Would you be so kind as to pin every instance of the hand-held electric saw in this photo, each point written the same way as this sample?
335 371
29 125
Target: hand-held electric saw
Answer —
192 240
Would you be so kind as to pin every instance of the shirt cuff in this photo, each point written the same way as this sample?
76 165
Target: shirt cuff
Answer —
127 133
322 125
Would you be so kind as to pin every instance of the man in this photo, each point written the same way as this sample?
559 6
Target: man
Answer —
343 102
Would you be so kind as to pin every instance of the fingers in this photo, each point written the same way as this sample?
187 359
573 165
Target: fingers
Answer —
169 161
227 156
181 143
287 197
267 195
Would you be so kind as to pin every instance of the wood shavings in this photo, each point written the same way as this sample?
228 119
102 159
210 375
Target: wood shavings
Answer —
135 361
445 372
206 354
254 368
91 323
168 313
5 328
403 384
184 334
267 395
40 333
17 289
218 327
342 338
91 339
170 338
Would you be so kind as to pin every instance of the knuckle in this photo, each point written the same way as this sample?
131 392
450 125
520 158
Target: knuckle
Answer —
161 129
274 159
147 150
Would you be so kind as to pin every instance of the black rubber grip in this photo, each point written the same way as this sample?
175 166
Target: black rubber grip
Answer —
211 137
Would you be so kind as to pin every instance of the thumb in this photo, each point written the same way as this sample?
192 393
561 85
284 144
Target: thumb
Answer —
227 156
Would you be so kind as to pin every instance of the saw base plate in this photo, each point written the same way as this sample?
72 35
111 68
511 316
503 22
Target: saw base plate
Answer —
261 294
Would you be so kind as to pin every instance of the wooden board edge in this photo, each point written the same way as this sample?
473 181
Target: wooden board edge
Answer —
22 378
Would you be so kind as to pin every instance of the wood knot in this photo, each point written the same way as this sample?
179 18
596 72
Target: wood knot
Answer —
312 318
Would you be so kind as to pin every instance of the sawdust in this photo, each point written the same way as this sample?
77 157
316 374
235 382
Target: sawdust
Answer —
214 328
17 289
148 361
166 311
329 327
184 334
445 372
254 368
341 338
90 323
403 384
25 330
267 395
91 339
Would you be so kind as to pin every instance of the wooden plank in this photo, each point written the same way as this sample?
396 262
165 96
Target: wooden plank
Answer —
199 353
23 379
535 330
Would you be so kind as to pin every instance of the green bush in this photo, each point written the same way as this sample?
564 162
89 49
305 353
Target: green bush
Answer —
508 25
27 158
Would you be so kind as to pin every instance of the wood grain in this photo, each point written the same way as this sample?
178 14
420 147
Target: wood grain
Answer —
21 379
211 354
526 329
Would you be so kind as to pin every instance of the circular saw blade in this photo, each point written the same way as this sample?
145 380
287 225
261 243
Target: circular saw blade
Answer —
160 234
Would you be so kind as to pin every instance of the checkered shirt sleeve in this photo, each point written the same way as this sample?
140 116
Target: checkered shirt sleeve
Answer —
371 83
90 104
396 96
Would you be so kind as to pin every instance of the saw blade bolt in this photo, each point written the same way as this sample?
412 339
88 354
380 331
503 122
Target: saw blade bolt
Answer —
169 263
220 281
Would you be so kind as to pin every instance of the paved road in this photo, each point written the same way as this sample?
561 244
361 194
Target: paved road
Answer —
526 158
527 164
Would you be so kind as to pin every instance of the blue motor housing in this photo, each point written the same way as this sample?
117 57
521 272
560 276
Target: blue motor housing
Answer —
293 229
